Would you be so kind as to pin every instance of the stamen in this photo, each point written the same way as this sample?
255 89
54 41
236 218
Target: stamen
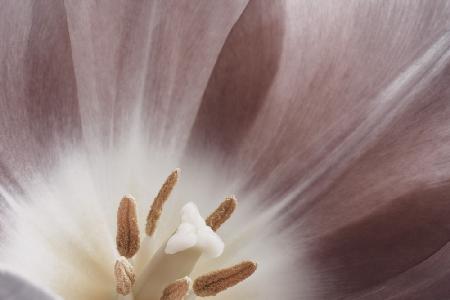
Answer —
127 239
215 282
124 274
158 202
222 213
176 290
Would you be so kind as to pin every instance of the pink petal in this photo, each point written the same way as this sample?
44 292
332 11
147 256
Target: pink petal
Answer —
242 77
38 99
339 110
339 76
387 215
145 63
349 126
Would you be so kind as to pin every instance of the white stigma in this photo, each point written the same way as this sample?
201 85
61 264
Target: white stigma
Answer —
193 232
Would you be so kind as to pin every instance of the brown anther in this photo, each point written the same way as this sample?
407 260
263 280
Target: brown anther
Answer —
215 282
127 239
176 290
125 277
158 202
222 213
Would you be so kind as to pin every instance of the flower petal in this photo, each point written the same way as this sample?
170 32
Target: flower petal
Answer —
362 163
14 287
241 79
38 98
387 216
415 284
342 75
353 127
144 64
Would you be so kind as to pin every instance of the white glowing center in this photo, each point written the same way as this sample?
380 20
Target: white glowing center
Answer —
193 232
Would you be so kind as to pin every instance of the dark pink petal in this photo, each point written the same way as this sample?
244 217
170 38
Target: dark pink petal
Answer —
242 77
349 127
427 280
386 218
331 78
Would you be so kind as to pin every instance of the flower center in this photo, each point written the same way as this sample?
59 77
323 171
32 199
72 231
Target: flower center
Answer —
165 275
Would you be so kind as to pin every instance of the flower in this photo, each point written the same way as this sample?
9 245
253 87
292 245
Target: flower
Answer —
328 120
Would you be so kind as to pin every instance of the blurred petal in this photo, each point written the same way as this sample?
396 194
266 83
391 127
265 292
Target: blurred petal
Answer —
13 287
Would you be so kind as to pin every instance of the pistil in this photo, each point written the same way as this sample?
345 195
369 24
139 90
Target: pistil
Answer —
178 258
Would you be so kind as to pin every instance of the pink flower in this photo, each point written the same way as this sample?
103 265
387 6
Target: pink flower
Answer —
329 121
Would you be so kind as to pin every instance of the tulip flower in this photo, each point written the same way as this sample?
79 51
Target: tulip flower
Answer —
245 149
